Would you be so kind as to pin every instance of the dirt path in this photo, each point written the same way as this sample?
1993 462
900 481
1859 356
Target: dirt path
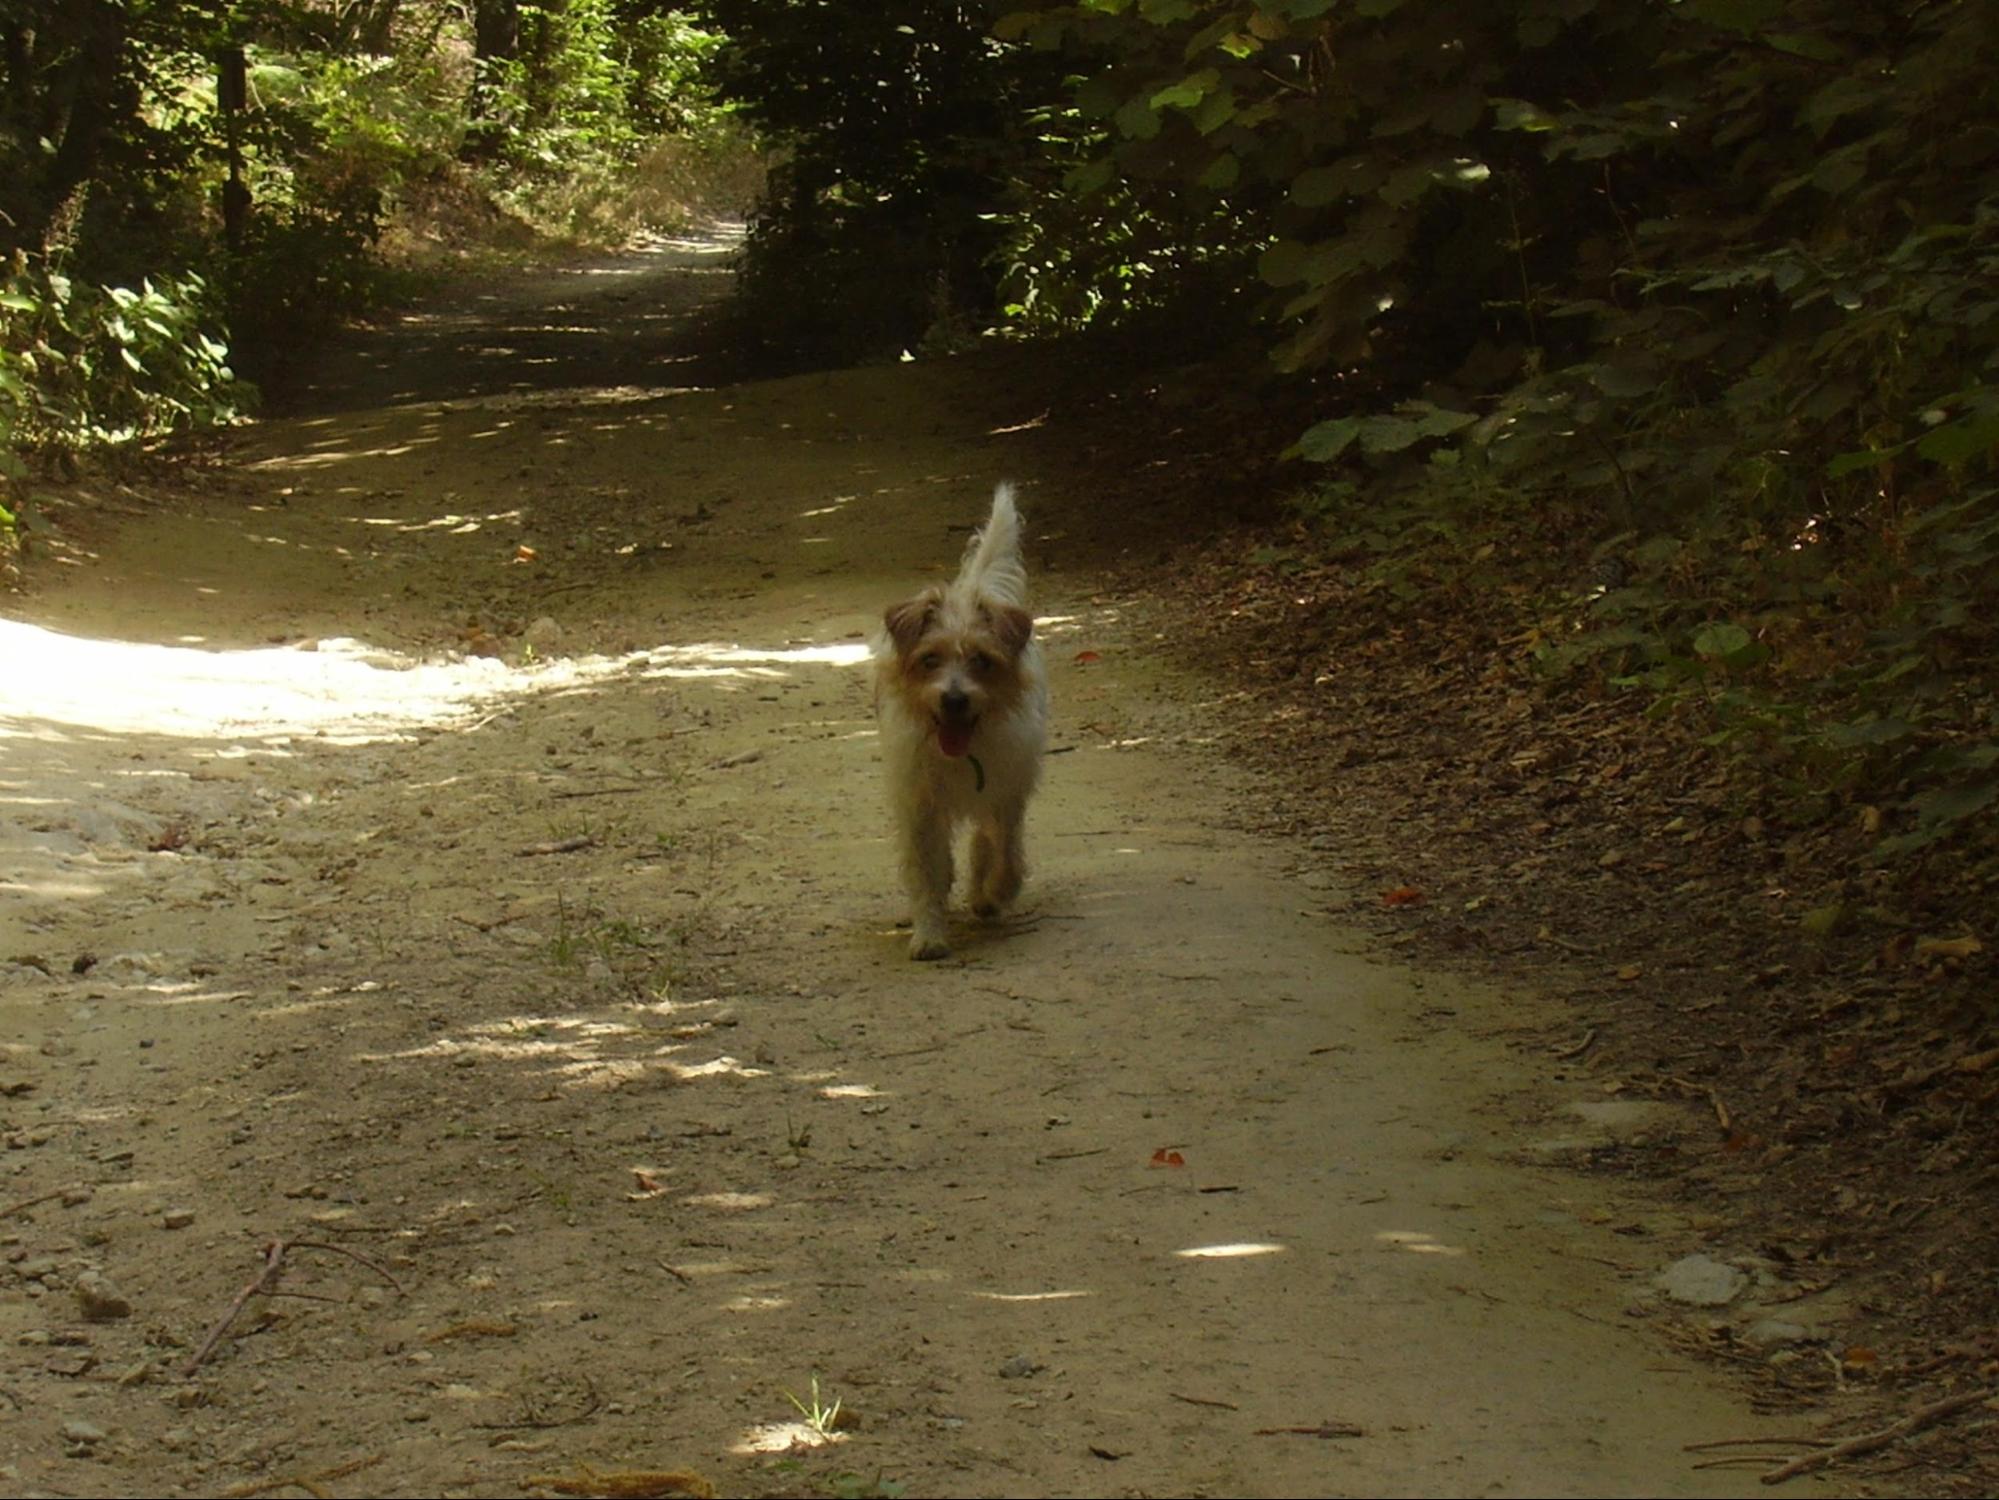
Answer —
562 988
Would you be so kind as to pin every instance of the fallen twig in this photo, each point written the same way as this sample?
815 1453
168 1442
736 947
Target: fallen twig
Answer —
274 1259
1323 1430
1868 1442
27 1203
310 1483
1204 1401
558 846
266 1282
531 1413
1575 1049
627 1484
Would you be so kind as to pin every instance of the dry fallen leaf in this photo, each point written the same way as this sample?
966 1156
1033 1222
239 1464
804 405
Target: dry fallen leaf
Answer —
1935 950
1164 1158
649 1185
1402 895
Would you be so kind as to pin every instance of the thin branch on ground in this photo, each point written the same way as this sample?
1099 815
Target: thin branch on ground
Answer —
1869 1442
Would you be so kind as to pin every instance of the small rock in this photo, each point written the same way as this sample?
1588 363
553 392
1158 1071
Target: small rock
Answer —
177 1218
1020 1367
98 1299
1701 1281
130 968
1765 1332
85 1434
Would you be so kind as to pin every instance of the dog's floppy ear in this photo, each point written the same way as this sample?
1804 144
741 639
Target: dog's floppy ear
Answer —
1013 625
906 622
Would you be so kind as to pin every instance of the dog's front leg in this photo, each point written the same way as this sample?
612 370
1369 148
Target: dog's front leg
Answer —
926 875
999 864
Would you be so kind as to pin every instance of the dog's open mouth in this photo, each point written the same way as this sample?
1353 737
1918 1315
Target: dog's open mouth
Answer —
954 736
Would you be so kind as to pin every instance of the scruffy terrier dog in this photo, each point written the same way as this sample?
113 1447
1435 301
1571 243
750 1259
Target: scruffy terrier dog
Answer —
962 698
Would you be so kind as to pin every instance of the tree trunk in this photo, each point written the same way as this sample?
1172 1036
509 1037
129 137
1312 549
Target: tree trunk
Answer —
496 38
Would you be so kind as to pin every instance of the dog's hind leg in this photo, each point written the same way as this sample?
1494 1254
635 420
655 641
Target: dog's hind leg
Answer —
926 875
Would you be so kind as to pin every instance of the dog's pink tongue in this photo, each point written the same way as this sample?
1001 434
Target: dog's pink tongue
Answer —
954 739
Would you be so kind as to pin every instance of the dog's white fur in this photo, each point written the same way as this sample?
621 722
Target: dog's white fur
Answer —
961 694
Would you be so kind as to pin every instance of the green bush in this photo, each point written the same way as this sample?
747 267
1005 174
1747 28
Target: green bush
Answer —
82 366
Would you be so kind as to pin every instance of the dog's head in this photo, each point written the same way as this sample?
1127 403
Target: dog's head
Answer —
957 661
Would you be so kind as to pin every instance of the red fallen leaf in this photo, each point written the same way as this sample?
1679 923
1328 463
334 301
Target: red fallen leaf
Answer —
524 553
1164 1158
1402 895
1084 658
649 1186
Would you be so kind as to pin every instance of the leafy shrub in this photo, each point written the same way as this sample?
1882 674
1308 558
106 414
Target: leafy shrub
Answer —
82 366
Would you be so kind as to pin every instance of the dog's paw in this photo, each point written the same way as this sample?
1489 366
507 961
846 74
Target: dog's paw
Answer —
928 945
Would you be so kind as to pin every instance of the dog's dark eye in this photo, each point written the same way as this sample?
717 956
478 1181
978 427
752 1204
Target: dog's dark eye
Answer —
931 661
981 662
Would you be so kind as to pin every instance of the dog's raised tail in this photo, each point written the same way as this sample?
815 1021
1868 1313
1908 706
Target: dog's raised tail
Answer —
992 562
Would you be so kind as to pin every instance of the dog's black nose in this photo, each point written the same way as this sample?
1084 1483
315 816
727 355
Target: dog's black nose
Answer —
955 701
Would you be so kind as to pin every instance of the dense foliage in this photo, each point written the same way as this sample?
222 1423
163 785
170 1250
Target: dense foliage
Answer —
1708 287
900 125
179 175
1699 297
1674 324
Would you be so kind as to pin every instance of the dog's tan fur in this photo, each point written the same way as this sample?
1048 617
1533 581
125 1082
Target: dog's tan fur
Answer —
962 698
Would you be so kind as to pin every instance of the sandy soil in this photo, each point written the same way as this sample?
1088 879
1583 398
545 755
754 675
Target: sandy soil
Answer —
444 845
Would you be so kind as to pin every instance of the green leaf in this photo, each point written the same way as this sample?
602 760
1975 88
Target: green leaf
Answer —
1328 440
1221 172
1188 92
1518 114
1407 184
1969 437
1864 458
1285 263
1953 804
1317 186
1720 641
1090 177
1138 119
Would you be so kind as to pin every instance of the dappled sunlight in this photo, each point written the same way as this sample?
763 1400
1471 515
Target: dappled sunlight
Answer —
839 503
570 1049
1235 1251
784 1437
456 525
713 659
1060 1296
850 1091
341 690
719 1067
730 1201
1417 1243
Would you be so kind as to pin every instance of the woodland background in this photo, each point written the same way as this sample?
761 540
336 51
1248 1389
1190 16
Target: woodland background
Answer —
1639 356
